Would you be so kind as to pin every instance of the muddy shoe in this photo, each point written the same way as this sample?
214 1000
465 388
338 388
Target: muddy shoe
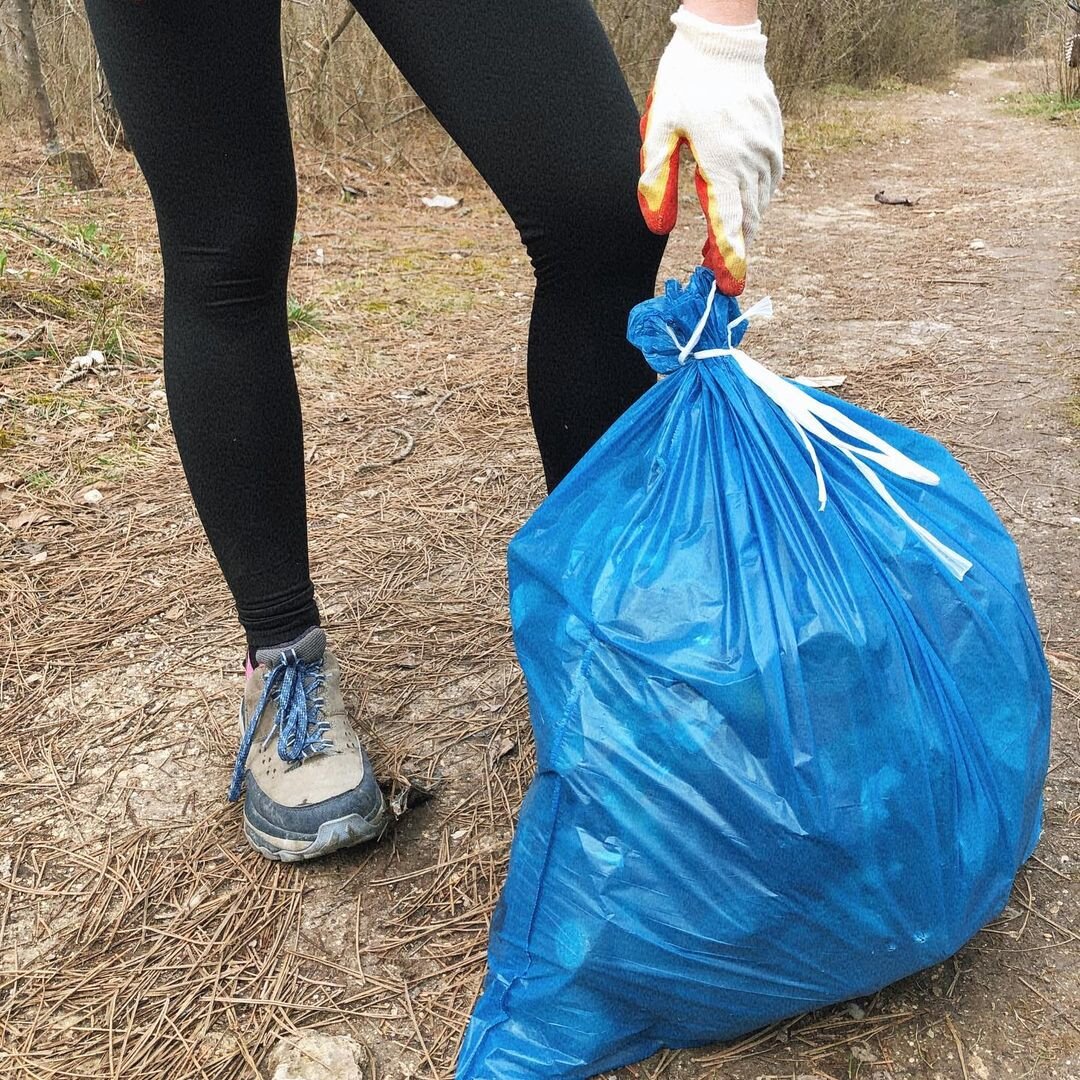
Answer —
310 788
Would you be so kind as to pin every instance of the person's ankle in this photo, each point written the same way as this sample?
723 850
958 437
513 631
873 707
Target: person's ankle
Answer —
256 645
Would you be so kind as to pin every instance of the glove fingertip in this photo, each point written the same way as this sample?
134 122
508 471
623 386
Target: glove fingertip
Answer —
658 185
660 219
726 282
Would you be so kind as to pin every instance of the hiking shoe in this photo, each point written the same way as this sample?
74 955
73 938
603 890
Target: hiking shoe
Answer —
310 787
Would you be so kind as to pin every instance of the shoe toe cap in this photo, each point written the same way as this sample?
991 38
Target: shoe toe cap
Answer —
303 820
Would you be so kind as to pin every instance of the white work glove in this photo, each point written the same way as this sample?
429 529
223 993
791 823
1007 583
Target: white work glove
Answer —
712 92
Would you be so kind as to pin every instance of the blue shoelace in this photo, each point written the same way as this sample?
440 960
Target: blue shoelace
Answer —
301 730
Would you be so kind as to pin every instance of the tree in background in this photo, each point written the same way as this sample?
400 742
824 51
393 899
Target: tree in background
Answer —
994 27
21 46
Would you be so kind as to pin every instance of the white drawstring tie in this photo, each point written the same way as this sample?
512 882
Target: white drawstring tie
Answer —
809 417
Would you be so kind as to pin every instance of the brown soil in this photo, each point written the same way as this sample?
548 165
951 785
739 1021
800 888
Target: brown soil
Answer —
138 936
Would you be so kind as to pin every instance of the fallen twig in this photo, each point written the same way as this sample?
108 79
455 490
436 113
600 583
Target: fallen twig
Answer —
892 200
10 223
406 450
959 1045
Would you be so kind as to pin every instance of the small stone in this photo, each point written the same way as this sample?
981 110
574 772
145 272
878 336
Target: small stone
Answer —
862 1052
314 1056
977 245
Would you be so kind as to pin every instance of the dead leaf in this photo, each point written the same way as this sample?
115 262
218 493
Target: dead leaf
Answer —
412 794
26 517
501 749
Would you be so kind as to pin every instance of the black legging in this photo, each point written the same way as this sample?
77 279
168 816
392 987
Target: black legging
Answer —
532 93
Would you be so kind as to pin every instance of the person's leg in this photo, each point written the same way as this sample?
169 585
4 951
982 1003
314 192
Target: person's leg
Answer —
199 88
531 91
200 91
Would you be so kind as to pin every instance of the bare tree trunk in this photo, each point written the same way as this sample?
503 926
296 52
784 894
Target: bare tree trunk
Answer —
327 44
80 167
331 38
27 49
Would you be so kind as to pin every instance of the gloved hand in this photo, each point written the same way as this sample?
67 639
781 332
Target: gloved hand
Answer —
712 92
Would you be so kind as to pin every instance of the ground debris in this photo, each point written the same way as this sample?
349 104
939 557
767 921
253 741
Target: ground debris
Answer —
893 200
311 1055
411 793
81 366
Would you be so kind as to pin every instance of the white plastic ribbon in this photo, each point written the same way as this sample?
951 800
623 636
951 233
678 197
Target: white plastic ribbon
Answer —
809 417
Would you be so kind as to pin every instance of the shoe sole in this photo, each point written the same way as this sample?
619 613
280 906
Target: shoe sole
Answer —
333 835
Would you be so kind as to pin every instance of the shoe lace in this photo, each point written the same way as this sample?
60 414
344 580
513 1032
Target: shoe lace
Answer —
295 687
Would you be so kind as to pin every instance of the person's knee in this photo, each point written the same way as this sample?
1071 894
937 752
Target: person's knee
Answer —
239 261
594 229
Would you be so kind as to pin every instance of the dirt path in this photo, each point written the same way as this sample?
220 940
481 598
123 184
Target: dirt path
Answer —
138 938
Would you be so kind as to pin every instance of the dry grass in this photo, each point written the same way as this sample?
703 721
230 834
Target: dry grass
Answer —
348 96
1049 24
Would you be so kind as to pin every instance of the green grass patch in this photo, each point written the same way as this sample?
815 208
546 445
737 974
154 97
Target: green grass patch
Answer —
377 307
846 91
87 237
828 127
304 316
1072 406
49 406
119 461
52 263
415 261
1043 106
40 480
50 304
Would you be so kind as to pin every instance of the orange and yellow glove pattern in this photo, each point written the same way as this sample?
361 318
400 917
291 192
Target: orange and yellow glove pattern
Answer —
712 94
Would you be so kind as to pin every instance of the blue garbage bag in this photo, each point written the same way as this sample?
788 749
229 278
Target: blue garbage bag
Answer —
791 715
